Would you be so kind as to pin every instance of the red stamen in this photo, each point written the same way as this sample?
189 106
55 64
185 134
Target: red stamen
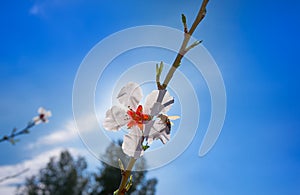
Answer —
138 118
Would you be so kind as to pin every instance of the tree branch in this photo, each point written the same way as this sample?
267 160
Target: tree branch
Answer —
125 176
199 18
184 49
41 118
14 133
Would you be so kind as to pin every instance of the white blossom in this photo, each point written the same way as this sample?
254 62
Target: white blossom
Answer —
130 95
132 143
42 117
116 117
142 122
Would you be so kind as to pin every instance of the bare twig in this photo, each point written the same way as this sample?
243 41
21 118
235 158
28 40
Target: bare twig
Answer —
14 176
159 69
185 28
192 46
125 176
184 49
11 138
41 118
199 18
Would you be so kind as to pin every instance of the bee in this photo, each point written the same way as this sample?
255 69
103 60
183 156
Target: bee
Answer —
166 119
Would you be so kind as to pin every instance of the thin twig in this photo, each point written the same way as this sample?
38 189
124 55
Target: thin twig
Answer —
14 176
184 49
14 133
159 69
125 176
199 18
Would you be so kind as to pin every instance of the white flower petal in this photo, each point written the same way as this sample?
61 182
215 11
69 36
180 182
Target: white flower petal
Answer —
115 118
41 110
48 113
159 130
36 120
43 116
130 95
152 105
132 143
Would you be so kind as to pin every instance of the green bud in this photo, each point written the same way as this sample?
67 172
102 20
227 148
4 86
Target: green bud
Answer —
183 18
129 184
161 67
121 165
145 147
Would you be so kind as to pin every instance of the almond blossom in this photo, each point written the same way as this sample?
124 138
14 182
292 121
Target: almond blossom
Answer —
42 117
142 122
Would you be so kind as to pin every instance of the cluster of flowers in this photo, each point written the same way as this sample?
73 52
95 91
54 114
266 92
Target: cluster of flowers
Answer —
145 123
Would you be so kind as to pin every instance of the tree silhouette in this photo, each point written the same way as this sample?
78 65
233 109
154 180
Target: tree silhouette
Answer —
66 176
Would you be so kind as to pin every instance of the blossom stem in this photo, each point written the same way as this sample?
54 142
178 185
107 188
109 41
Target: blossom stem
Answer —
14 134
125 176
184 49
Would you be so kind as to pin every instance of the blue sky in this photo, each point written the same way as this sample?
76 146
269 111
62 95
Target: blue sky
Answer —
255 44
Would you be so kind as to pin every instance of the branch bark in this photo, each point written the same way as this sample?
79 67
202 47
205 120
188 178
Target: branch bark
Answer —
125 175
184 49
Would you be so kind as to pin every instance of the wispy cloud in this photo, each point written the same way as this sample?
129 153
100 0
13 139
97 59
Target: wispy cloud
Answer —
40 7
68 132
63 135
34 164
36 10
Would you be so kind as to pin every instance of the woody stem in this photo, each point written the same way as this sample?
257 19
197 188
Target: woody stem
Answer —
183 49
125 176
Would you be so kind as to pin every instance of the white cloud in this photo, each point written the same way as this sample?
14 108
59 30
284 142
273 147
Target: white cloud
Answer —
36 9
64 134
34 164
67 133
40 7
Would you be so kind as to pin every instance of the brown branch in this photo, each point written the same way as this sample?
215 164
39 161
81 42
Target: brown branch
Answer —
199 18
125 175
184 49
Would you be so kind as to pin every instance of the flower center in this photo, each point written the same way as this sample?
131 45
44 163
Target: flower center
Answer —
42 117
137 117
